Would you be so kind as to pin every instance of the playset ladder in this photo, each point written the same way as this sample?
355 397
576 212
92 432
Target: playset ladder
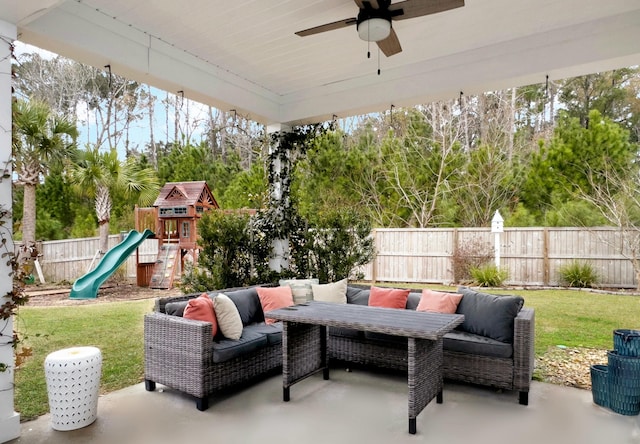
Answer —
165 269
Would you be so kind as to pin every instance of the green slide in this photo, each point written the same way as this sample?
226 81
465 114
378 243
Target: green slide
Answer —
86 287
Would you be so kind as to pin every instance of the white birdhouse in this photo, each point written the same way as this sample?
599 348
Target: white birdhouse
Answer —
497 223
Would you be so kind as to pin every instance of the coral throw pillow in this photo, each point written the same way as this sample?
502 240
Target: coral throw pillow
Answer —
201 309
272 298
439 301
388 297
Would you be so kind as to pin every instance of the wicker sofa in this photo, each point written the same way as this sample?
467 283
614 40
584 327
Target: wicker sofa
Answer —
469 355
183 354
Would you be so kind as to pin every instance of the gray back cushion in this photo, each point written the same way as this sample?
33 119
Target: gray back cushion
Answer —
248 304
175 308
358 296
488 315
413 300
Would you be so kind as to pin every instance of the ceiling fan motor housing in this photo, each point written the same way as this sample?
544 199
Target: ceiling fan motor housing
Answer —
373 24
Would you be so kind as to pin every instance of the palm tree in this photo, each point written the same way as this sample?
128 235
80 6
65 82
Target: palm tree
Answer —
99 174
40 138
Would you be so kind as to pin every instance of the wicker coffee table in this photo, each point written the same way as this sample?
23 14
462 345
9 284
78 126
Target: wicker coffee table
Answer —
304 343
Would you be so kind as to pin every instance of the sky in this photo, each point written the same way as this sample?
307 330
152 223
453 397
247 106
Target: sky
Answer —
139 130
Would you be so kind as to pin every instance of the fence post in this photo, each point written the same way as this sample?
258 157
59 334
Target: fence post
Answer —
545 257
374 265
454 248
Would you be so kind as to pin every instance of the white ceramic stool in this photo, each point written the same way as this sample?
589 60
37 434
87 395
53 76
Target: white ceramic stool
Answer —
73 385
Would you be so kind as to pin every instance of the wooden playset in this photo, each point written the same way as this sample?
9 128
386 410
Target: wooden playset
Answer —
174 220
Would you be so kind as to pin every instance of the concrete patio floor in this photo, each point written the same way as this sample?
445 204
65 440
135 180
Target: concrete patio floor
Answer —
353 407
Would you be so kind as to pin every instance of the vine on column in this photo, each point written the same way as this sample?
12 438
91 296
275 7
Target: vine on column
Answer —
16 297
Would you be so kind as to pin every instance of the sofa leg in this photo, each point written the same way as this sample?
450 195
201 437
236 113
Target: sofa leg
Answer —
149 385
202 404
524 398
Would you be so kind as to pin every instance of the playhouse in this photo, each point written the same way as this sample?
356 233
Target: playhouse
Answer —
174 220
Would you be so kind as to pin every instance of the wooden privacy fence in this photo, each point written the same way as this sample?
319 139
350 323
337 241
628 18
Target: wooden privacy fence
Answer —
532 256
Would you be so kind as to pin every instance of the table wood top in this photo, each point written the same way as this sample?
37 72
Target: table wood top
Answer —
398 322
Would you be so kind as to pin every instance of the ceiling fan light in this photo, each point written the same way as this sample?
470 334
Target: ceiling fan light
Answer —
374 29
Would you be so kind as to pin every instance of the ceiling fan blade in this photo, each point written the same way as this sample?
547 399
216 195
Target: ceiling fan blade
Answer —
390 45
418 8
327 27
360 3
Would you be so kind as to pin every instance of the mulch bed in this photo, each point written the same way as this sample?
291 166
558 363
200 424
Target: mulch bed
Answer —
55 295
569 366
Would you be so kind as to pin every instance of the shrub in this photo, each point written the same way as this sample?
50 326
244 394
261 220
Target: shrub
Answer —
489 275
339 243
195 279
236 250
578 274
468 255
226 250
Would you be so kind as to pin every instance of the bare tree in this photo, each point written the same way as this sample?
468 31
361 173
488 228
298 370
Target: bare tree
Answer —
617 198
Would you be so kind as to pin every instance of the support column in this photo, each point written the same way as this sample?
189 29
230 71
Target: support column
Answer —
280 165
9 419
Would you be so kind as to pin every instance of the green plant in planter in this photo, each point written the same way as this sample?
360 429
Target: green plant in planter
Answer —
578 274
489 275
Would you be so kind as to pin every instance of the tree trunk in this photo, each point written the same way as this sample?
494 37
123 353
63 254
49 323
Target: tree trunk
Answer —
176 119
166 115
104 236
152 143
103 212
29 214
511 125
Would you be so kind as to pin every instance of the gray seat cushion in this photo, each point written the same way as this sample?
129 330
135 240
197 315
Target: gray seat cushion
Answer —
272 331
463 342
488 315
227 349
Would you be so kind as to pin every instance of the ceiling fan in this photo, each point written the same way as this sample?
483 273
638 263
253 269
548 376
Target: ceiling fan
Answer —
375 16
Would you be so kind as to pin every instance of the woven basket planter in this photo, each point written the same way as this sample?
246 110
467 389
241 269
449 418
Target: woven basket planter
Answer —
627 342
600 385
624 383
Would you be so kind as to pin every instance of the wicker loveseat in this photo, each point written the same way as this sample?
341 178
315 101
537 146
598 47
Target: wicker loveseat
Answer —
184 355
469 355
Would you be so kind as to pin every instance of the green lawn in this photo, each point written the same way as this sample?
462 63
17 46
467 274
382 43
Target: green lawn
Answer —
579 318
115 328
563 317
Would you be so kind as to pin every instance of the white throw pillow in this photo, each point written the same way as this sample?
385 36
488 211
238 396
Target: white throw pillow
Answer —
301 289
335 292
228 317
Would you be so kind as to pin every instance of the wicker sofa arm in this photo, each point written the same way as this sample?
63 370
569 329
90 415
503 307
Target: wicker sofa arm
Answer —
524 349
177 351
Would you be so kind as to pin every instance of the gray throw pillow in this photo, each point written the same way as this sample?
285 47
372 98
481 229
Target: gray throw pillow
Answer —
489 315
